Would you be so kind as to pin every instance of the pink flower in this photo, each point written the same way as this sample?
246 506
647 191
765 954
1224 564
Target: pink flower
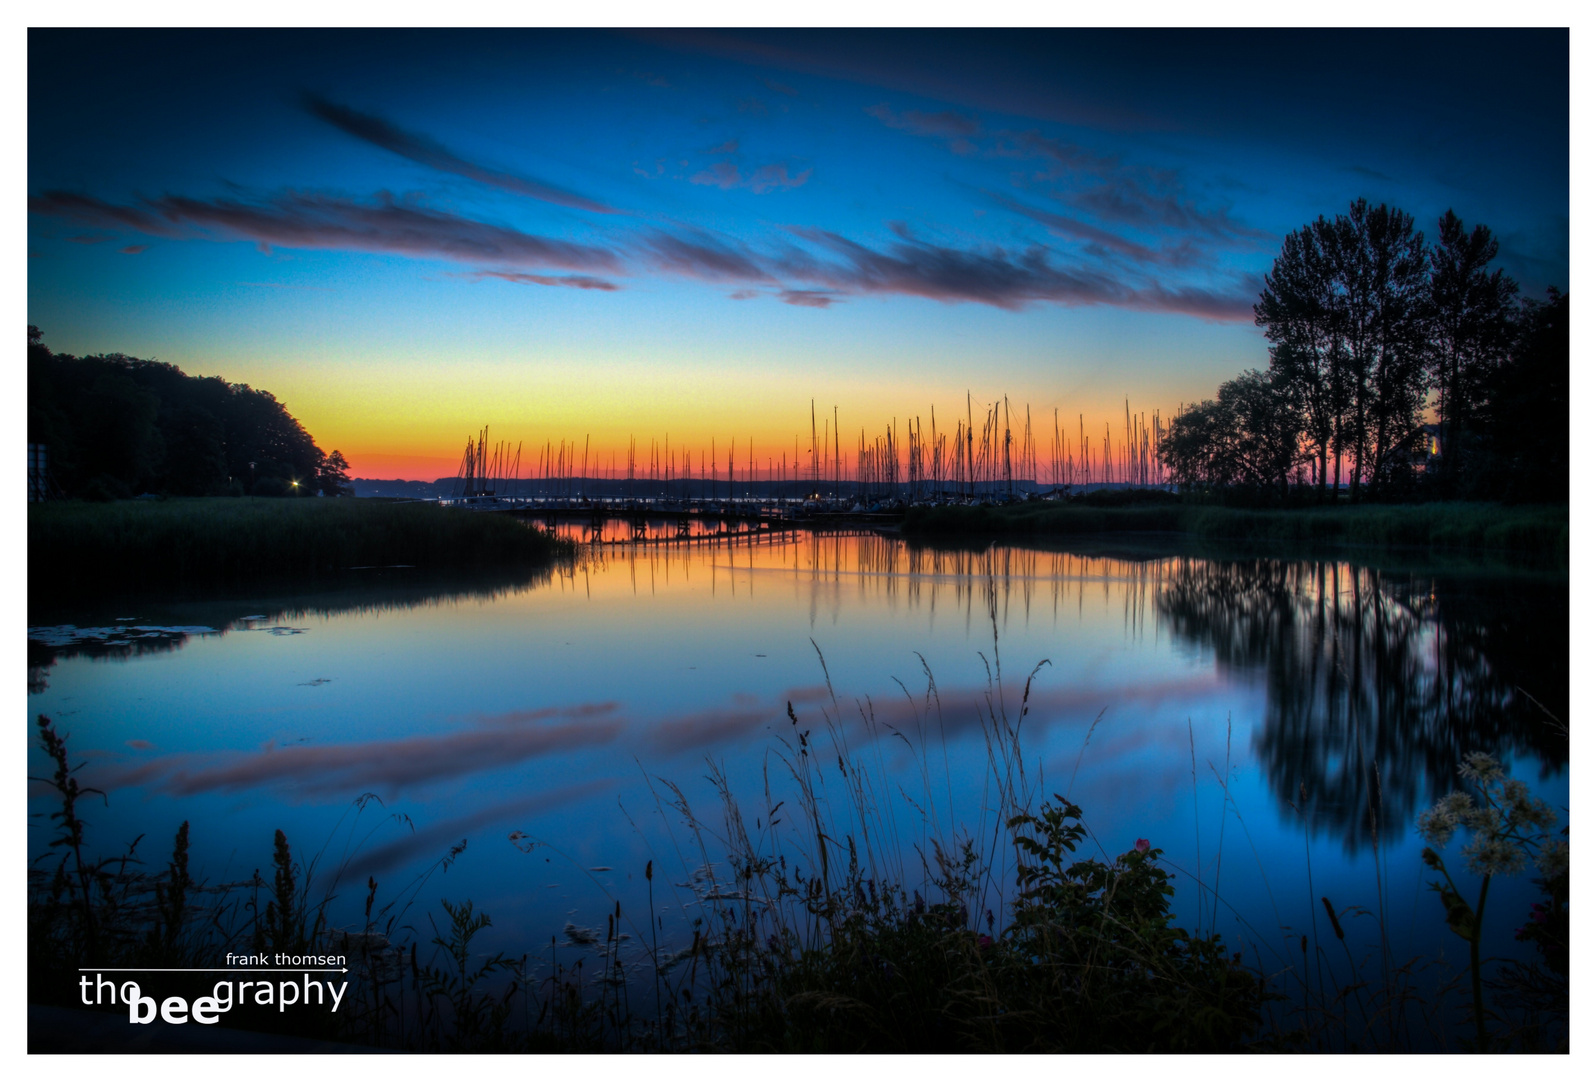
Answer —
1143 845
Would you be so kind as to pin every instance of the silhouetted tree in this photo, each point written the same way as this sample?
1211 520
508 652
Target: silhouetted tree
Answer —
1249 437
116 425
332 478
1471 331
1300 314
1526 415
1343 309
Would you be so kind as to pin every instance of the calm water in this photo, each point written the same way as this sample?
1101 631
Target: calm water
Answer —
1243 714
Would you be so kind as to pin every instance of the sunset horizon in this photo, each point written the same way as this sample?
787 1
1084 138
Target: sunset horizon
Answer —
601 236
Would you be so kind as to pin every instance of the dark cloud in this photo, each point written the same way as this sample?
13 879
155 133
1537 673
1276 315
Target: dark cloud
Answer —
1132 201
306 220
425 151
726 175
1101 240
1233 306
823 270
722 174
574 281
945 125
993 275
74 207
90 238
727 147
378 765
708 258
134 249
780 88
808 298
1064 157
752 106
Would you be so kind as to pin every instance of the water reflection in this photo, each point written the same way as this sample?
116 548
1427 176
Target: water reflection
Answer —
1378 682
881 569
57 633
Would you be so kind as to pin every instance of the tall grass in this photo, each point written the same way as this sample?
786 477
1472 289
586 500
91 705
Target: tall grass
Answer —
82 549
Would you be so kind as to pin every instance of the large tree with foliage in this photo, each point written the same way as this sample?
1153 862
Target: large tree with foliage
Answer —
116 425
1471 332
1344 311
1526 415
1248 437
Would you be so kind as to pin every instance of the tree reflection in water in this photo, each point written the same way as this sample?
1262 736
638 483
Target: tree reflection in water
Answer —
1378 681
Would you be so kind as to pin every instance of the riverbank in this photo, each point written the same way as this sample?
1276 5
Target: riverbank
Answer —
94 549
1538 532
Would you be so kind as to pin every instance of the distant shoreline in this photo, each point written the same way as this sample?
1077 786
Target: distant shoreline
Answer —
78 549
1539 532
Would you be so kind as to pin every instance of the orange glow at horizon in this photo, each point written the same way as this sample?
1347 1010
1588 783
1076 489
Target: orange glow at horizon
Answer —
432 451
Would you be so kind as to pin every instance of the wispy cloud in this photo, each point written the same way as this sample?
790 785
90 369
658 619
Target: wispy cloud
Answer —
946 124
1132 201
1101 241
307 220
808 298
434 155
574 281
991 275
815 268
1061 157
957 128
704 256
134 249
726 175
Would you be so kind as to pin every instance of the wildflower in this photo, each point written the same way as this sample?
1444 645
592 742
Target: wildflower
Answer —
1487 853
983 941
1552 860
1438 823
1143 846
1480 768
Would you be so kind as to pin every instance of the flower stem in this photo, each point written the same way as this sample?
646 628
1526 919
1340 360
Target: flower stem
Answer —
1478 984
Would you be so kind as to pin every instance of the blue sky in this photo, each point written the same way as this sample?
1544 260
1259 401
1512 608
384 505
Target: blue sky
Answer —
407 234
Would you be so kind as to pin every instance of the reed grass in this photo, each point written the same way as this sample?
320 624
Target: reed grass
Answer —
165 546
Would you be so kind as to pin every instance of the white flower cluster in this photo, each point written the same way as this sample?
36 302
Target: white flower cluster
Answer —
1437 824
1489 854
1480 768
1552 860
1507 824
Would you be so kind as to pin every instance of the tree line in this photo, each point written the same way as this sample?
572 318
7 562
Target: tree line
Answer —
1369 327
115 426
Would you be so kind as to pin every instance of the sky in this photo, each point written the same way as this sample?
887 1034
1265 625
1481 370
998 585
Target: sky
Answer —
581 235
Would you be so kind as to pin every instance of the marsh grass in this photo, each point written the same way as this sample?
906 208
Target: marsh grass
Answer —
1540 532
166 546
